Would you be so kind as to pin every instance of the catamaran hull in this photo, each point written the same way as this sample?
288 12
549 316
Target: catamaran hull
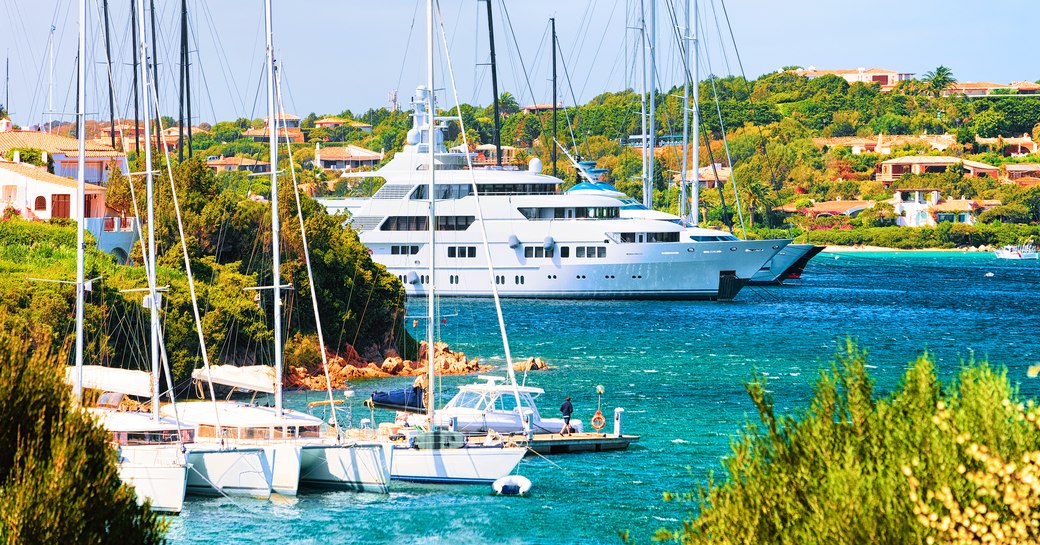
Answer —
157 474
285 468
232 472
469 465
356 467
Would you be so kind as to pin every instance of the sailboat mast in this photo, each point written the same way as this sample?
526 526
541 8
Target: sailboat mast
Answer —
155 73
276 258
685 121
430 142
647 201
150 198
494 88
185 102
648 196
50 84
111 93
133 49
81 196
552 145
696 150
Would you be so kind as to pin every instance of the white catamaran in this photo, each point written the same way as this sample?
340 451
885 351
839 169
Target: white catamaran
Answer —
300 449
154 451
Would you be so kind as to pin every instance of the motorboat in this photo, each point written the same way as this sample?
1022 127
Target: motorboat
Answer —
490 406
1019 251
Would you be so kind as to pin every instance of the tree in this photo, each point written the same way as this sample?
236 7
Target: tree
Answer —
507 104
58 477
939 79
866 454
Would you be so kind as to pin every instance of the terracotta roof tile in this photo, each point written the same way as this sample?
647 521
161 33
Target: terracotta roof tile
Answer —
52 144
40 174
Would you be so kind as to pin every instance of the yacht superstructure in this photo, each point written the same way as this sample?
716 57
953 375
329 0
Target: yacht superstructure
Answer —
544 243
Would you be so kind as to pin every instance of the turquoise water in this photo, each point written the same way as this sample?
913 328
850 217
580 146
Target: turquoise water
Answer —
678 369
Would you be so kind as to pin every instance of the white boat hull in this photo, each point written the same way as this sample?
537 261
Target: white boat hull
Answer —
284 460
233 472
459 466
676 271
158 475
359 467
779 263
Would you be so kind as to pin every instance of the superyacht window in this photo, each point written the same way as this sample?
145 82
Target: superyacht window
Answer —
462 251
580 212
443 191
420 223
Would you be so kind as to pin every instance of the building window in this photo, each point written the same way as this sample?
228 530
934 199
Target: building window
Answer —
41 203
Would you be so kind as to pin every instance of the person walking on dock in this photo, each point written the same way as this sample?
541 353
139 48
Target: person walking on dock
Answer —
567 409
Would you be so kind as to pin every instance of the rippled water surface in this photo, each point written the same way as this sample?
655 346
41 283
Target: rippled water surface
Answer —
678 369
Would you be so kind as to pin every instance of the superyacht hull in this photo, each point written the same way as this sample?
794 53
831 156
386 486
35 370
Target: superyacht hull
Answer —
665 271
778 269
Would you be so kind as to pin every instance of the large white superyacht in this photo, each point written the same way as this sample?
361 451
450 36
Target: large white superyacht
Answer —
544 243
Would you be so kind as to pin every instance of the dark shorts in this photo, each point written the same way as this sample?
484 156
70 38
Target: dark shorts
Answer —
567 420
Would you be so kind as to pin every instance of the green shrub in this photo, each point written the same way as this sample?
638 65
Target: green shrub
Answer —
834 471
58 476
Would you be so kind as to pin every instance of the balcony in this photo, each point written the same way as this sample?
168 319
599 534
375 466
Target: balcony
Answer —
114 235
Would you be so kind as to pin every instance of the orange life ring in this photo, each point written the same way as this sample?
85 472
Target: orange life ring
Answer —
598 421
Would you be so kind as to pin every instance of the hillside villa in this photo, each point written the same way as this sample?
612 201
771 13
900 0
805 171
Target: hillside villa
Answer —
37 194
63 152
223 164
288 126
890 170
887 79
986 89
345 158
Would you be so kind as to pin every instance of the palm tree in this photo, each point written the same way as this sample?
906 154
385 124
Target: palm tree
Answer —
939 79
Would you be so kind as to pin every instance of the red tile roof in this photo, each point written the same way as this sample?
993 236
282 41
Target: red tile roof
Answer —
52 143
41 174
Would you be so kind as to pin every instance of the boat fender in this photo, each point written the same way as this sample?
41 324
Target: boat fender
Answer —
548 243
514 242
598 422
413 278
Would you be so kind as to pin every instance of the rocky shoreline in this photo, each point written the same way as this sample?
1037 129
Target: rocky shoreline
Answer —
348 367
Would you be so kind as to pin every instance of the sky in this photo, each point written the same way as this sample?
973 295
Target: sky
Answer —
338 55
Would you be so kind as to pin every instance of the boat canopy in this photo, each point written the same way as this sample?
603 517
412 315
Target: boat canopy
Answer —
260 378
112 379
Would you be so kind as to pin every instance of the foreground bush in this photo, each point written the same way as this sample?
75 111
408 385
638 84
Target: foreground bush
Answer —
855 467
58 477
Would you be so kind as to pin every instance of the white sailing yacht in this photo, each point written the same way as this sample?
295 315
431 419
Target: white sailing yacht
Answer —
437 455
296 445
157 455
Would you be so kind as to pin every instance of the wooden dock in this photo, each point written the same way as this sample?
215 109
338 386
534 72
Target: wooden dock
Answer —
554 443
